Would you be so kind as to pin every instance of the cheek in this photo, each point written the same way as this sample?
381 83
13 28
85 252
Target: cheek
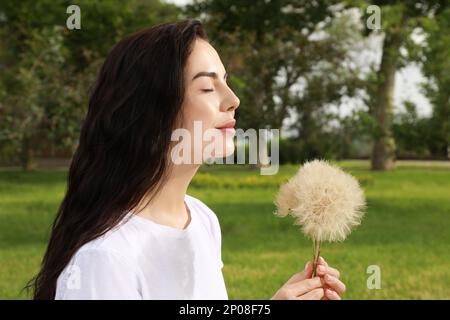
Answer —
207 141
199 110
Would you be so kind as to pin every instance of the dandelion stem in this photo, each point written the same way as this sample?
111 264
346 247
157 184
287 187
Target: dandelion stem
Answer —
316 254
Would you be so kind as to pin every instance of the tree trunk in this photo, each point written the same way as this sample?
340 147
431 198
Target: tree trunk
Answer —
383 152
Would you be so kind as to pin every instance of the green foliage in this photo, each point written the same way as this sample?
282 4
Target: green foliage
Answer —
36 87
436 66
47 70
411 133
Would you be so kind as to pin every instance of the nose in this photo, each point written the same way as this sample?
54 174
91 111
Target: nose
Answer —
231 102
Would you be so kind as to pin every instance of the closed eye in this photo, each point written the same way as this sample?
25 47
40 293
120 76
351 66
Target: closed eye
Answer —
207 90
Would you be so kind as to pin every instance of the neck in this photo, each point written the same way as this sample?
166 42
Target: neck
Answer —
167 207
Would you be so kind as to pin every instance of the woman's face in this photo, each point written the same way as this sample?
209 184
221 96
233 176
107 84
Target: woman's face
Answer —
209 104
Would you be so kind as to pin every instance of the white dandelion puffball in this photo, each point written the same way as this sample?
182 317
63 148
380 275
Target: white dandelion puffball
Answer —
324 200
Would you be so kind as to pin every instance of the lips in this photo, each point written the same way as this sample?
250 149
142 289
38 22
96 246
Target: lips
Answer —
228 124
228 127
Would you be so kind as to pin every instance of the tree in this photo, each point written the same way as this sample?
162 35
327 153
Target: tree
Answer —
284 57
399 19
47 70
436 67
32 107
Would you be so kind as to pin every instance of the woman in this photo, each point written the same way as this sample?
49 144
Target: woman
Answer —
126 229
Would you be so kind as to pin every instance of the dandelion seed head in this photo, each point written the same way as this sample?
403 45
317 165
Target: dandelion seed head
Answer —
324 200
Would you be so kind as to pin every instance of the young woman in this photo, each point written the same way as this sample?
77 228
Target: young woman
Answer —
126 229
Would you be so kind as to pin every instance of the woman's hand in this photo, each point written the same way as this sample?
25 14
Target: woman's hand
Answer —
326 286
334 287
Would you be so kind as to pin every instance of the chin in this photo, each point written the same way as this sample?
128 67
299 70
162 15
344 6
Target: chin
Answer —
228 149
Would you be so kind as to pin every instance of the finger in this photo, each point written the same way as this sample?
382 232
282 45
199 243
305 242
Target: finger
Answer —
315 294
302 287
335 284
305 274
322 261
331 295
323 270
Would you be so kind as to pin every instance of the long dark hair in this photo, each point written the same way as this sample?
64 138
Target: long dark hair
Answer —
122 154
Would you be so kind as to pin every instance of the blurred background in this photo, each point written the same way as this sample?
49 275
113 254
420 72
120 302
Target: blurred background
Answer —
364 84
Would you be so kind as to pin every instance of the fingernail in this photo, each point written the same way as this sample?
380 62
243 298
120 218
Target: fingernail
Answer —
321 268
306 265
330 292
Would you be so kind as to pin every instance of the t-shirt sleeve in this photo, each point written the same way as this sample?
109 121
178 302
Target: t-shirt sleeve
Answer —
98 274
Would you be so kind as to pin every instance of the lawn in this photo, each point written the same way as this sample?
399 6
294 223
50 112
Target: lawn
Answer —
406 230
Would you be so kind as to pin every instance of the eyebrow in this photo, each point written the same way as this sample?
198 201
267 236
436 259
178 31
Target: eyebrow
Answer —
208 74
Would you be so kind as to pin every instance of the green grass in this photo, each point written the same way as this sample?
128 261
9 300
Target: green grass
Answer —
406 230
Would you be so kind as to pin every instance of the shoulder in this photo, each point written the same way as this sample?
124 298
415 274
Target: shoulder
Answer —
98 273
124 241
105 254
102 255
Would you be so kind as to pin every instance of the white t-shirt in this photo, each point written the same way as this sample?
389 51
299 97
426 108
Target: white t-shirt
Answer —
141 259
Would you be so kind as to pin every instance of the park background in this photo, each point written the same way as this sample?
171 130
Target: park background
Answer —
317 70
